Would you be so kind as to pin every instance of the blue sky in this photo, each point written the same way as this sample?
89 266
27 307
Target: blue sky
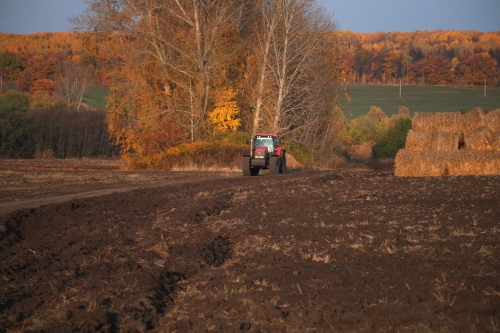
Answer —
29 16
404 15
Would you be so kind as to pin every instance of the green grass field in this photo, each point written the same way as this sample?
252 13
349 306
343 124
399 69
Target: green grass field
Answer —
96 97
422 99
416 98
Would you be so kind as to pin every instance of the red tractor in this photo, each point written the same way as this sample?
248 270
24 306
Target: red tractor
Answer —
265 153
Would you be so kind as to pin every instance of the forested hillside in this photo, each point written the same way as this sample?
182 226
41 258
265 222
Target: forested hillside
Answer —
465 58
422 57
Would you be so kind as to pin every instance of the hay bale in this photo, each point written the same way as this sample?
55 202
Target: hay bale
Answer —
418 141
492 120
479 139
420 164
468 162
495 141
423 122
437 141
442 141
472 120
448 122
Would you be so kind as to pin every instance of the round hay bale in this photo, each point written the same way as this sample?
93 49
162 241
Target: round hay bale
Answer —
472 120
479 139
492 120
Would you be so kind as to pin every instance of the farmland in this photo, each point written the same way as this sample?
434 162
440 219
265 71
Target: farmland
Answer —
418 98
355 250
95 97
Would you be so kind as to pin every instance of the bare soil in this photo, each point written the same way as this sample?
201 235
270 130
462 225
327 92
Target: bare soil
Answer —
355 250
21 180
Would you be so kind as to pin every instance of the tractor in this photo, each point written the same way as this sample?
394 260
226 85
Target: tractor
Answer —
265 153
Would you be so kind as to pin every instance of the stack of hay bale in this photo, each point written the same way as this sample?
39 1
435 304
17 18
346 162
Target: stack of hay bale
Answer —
442 144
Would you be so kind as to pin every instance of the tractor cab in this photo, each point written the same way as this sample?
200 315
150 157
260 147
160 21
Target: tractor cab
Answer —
267 141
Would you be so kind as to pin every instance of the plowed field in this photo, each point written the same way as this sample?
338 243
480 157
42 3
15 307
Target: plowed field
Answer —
312 251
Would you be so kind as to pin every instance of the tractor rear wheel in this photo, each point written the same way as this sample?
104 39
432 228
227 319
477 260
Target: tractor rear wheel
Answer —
283 166
274 165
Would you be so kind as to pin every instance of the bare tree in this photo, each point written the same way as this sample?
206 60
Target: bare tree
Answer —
75 81
288 41
185 41
171 56
269 16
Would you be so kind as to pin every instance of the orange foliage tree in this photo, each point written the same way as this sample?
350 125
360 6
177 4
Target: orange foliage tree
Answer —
47 85
422 57
171 57
477 69
224 115
169 61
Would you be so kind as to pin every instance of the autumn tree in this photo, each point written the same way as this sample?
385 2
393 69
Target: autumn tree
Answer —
478 68
40 99
14 126
416 57
376 114
46 85
403 112
10 65
75 80
289 36
174 52
440 71
224 116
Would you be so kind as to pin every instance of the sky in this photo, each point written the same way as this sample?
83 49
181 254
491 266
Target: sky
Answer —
29 16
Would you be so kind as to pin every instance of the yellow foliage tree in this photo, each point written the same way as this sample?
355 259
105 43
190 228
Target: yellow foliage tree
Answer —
223 118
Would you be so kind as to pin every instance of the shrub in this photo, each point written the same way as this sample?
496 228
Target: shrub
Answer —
403 112
361 130
196 155
376 114
360 152
15 123
300 152
239 138
393 140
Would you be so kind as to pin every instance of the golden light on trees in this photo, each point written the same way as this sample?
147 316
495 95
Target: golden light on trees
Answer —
223 118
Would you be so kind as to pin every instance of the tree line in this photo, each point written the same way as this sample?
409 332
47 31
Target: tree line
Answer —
199 67
183 71
422 57
465 58
31 126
